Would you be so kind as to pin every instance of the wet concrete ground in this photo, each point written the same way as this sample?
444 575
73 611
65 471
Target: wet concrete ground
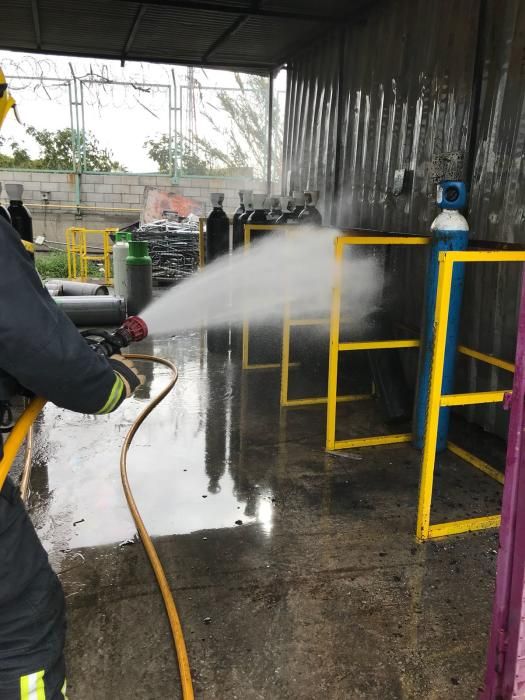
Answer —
321 592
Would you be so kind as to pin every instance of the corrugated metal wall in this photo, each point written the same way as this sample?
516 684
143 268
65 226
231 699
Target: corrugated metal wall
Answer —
497 200
396 90
310 135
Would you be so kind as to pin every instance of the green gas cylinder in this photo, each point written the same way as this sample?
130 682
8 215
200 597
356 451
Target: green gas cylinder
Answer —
139 277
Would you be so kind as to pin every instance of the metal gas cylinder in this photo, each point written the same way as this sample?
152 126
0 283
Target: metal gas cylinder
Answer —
139 277
120 254
21 218
71 288
287 207
298 198
93 310
217 245
3 210
275 212
310 214
450 231
217 229
238 231
258 215
243 219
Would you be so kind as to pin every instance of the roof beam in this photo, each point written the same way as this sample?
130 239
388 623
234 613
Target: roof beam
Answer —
248 10
257 68
132 32
36 23
359 15
231 31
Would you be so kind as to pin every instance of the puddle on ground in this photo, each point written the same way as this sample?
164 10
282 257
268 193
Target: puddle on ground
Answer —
183 465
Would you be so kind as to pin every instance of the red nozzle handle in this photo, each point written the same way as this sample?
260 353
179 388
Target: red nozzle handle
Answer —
136 328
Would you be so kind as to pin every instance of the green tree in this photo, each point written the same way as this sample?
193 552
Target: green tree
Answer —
158 149
57 152
192 164
19 157
241 124
245 133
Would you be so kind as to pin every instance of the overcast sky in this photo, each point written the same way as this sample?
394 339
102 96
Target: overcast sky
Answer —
121 117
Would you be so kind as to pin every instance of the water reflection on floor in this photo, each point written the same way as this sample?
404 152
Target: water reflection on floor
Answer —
183 465
321 592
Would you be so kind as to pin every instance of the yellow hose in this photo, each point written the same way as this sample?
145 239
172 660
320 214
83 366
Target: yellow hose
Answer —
25 477
17 436
173 616
12 446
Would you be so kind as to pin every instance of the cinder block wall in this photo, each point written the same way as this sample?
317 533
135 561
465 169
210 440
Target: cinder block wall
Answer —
109 199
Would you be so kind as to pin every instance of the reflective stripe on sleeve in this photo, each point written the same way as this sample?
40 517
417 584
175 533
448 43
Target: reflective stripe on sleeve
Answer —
114 397
32 686
30 247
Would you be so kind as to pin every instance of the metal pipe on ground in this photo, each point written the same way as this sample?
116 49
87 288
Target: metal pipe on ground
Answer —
54 287
80 289
93 310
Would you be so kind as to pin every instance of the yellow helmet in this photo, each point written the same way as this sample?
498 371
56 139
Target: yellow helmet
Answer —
6 101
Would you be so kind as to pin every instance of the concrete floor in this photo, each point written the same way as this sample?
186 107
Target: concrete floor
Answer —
321 592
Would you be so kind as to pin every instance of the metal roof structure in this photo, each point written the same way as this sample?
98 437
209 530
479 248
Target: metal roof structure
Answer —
248 35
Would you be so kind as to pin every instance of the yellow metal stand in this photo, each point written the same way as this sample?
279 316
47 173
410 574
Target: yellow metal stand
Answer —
424 530
73 251
336 346
288 323
202 252
78 257
286 402
248 228
436 400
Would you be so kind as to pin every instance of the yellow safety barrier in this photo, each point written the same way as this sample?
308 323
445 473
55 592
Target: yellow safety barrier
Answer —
336 346
78 257
289 323
248 228
202 241
425 530
73 251
286 402
285 363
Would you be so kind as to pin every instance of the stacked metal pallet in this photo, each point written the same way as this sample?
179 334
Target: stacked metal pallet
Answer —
173 247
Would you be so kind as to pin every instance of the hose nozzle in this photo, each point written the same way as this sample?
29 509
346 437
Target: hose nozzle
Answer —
131 331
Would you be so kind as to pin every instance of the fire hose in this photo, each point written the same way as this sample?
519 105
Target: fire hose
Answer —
12 445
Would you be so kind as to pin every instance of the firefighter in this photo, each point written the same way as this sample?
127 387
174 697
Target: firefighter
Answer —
41 351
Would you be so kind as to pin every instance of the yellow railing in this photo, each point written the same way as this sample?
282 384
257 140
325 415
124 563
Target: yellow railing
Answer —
337 347
436 400
79 257
202 242
248 228
424 530
286 401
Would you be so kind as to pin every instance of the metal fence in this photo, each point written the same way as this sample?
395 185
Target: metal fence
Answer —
189 117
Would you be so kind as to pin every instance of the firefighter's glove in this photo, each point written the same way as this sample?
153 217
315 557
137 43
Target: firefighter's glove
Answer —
127 372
